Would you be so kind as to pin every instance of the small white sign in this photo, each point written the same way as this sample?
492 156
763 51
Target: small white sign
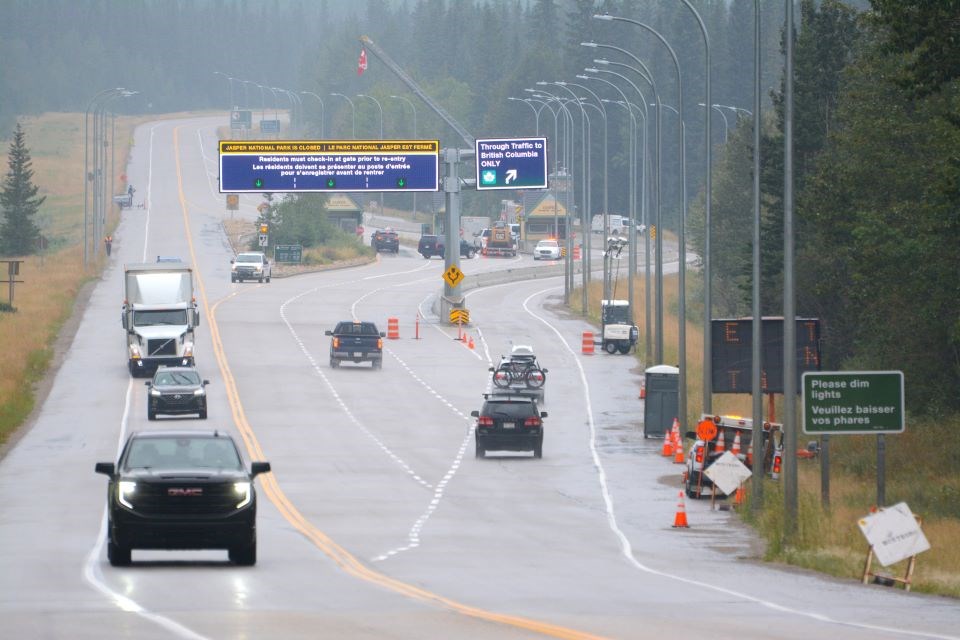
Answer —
727 472
894 534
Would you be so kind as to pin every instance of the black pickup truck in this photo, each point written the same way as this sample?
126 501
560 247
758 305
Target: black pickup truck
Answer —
356 342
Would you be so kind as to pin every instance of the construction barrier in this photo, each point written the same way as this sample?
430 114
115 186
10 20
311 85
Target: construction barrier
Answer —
588 346
393 328
576 252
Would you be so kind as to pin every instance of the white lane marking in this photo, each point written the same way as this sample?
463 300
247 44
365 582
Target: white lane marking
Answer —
91 568
627 549
336 395
413 536
146 226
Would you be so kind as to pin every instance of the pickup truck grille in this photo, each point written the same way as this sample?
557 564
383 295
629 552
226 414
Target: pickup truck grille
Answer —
162 347
185 498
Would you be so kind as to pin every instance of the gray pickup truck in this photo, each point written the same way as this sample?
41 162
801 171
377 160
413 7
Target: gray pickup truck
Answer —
356 342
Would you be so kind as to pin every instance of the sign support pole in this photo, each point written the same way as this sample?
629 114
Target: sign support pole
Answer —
881 470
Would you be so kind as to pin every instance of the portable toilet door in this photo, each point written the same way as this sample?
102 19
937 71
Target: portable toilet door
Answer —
662 403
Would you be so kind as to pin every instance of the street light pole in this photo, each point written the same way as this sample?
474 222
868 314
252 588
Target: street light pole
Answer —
320 100
380 108
230 80
681 241
726 125
86 169
756 500
353 112
589 229
414 108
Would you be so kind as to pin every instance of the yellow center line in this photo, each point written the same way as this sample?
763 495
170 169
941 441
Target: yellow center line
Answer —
343 558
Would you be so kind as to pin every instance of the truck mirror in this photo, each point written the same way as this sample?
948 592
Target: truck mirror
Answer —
256 468
383 334
475 414
148 384
106 468
328 332
206 382
543 414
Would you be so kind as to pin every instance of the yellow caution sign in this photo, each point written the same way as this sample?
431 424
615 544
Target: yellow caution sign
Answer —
459 316
653 232
453 275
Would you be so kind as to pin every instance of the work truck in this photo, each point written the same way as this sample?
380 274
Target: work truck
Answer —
159 315
500 242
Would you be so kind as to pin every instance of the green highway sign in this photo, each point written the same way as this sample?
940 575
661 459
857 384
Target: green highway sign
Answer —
288 253
840 402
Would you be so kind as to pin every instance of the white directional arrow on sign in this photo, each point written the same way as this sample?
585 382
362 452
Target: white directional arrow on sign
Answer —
511 176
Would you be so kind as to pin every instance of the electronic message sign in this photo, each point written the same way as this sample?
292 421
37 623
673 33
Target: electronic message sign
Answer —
328 165
732 353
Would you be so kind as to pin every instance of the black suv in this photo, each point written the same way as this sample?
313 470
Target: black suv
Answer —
509 423
176 390
385 240
181 490
434 246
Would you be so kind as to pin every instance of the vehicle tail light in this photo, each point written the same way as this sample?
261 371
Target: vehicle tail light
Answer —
380 343
336 343
698 455
777 461
536 376
485 421
501 375
532 421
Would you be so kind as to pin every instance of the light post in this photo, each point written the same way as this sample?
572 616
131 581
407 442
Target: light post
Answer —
556 139
681 241
246 92
631 188
353 112
230 80
646 75
584 192
276 106
756 501
86 169
101 144
536 112
263 105
320 100
726 125
606 205
380 108
414 108
707 220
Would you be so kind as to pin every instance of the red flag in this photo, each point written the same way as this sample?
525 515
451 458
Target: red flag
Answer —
362 63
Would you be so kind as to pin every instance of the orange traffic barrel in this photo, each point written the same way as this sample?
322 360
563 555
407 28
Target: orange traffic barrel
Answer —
393 328
588 342
576 252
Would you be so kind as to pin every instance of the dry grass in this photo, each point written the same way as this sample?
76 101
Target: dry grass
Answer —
51 282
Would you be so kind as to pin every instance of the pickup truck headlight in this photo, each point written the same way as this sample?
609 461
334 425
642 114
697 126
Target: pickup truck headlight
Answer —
135 352
125 489
242 489
187 349
198 392
155 393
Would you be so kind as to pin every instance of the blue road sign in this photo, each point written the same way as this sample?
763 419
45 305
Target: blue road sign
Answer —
269 126
511 163
328 165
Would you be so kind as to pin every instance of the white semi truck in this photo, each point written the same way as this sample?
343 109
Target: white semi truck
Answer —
159 315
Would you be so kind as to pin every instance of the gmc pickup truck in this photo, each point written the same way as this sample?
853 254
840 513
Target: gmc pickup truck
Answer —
356 342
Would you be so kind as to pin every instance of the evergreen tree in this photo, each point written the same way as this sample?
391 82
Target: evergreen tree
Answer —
19 234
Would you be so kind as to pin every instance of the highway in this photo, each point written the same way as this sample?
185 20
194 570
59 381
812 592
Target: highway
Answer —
377 520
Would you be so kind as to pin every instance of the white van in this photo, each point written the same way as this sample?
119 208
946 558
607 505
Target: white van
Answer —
619 225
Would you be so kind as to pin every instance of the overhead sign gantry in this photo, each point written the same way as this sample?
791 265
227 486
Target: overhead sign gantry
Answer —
250 166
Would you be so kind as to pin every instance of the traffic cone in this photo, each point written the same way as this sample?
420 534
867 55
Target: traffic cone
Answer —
739 496
470 344
750 454
667 444
680 520
735 449
721 445
677 446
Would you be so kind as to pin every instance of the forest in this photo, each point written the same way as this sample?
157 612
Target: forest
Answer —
877 174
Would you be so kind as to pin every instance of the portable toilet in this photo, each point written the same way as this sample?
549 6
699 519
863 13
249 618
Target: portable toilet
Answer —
661 405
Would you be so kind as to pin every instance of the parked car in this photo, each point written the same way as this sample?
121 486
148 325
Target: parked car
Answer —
181 490
547 250
509 422
481 240
250 265
175 391
430 246
356 341
385 240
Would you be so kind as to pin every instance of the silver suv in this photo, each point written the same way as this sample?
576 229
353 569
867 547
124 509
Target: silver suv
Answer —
250 265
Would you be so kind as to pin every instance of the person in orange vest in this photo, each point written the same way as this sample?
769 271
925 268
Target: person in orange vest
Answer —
108 243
